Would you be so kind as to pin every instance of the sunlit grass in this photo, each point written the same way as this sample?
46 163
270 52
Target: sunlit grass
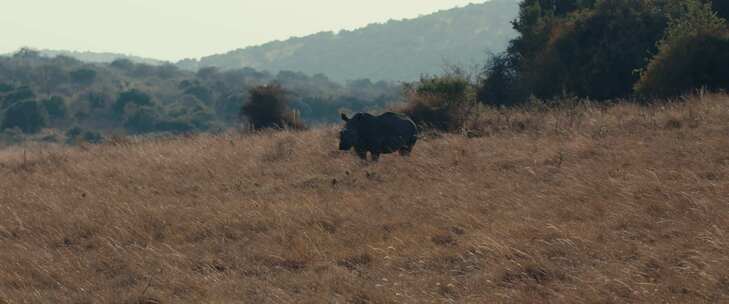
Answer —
584 204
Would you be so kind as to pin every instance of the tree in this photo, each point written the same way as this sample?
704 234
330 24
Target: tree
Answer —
55 107
83 76
442 103
135 97
27 53
268 107
123 64
50 77
19 94
500 85
228 107
29 116
577 47
142 120
5 87
693 53
722 8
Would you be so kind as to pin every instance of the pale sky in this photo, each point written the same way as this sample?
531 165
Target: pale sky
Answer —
176 29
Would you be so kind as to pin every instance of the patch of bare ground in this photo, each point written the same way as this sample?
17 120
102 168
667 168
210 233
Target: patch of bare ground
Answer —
587 204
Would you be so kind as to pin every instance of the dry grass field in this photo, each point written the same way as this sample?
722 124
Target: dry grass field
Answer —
584 204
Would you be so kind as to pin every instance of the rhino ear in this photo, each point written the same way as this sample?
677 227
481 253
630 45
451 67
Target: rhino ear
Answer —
344 117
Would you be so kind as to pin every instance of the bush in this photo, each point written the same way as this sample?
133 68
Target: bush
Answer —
694 53
122 64
29 116
442 103
500 85
77 134
135 97
83 76
579 48
20 94
142 120
93 137
55 107
268 107
722 8
12 136
5 87
175 126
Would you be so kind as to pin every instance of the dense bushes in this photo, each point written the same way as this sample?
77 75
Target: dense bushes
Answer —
139 98
593 49
443 103
694 53
131 97
501 85
29 116
55 107
268 107
83 76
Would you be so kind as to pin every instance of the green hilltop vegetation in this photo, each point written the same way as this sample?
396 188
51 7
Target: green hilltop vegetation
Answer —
94 57
400 50
64 98
100 57
611 49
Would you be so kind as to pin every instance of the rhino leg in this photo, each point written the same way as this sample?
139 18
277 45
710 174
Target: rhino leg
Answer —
375 156
405 151
361 153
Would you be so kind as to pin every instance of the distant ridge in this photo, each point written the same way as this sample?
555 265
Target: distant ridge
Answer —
94 57
100 57
395 50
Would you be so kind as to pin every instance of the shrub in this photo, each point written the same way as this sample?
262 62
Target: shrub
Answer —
29 116
142 120
135 97
229 106
122 64
268 107
20 94
442 103
77 134
93 137
83 76
5 87
175 126
580 48
55 107
722 8
693 53
500 84
73 132
12 136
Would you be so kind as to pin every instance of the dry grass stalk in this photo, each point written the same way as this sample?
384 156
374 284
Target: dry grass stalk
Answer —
598 205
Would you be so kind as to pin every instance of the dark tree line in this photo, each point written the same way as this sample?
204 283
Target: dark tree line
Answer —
65 94
608 49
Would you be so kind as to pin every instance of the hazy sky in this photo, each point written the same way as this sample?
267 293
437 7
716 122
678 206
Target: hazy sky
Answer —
176 29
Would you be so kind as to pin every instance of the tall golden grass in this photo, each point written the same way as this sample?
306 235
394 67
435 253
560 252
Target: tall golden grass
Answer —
582 204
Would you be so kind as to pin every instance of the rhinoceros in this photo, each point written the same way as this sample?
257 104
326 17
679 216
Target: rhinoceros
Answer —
386 133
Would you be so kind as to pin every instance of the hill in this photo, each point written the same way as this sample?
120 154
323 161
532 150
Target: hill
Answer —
99 57
64 95
582 204
396 50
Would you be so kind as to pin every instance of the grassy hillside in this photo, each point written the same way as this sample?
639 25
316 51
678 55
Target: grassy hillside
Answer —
395 50
582 204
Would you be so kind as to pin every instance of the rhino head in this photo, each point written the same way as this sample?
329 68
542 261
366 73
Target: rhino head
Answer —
348 136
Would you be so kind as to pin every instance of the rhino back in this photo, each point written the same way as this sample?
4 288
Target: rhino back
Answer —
392 132
395 124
